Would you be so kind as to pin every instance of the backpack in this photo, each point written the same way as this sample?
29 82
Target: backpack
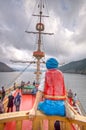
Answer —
17 101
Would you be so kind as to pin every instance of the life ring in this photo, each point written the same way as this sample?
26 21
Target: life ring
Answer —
40 26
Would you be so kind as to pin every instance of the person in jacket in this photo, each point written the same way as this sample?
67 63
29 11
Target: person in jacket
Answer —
10 103
17 101
3 93
57 125
70 96
52 89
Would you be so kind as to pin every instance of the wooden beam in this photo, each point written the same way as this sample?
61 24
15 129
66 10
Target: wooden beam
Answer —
19 125
2 126
51 124
22 115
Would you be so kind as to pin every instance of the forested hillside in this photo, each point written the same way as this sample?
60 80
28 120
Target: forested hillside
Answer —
78 67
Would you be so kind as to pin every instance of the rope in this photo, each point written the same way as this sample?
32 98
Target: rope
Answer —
46 7
31 17
18 75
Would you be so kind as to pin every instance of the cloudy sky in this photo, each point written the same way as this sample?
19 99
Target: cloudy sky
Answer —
67 20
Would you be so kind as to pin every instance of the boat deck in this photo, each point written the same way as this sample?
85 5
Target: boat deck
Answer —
26 104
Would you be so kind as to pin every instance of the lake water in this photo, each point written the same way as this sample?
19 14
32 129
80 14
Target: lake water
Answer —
76 82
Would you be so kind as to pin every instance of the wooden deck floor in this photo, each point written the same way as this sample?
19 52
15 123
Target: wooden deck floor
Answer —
26 104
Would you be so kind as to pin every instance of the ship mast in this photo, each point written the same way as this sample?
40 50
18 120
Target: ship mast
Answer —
39 54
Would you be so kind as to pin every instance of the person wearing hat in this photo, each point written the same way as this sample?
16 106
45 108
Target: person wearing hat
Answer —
52 90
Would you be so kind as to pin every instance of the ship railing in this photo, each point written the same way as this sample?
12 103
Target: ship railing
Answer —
40 120
11 89
79 105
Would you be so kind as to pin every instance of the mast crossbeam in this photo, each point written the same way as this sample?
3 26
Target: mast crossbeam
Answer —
39 15
41 33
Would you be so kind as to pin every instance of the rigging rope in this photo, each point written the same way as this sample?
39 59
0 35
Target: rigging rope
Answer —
34 10
18 75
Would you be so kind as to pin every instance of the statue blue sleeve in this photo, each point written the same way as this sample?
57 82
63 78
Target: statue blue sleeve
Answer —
52 107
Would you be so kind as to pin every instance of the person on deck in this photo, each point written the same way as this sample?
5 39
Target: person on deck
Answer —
52 89
14 86
10 103
34 91
75 99
34 83
70 96
3 93
57 125
22 84
17 101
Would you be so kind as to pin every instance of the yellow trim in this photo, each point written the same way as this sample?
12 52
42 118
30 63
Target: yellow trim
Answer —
54 97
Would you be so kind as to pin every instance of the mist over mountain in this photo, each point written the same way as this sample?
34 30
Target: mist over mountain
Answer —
78 67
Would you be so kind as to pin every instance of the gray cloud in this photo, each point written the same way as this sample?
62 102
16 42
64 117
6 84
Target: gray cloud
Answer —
68 22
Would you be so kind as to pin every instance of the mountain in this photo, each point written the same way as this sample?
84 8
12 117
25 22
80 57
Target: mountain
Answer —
5 68
78 67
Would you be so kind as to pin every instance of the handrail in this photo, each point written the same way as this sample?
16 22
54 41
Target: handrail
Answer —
8 90
20 116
